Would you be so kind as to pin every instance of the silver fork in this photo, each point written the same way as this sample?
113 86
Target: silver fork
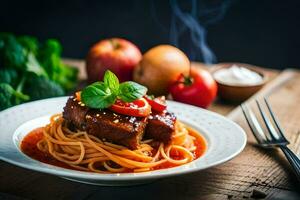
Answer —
275 138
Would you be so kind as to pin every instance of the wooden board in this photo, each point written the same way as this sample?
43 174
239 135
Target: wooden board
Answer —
255 172
268 170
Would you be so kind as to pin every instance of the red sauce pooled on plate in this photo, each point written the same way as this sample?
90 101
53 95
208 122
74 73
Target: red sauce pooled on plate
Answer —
200 144
29 147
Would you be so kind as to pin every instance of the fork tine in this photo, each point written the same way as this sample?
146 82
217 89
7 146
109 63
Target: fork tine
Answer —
275 120
268 123
254 125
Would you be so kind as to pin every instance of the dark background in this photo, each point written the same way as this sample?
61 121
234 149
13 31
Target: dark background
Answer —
264 33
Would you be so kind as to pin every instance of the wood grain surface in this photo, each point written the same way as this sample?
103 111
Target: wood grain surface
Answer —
255 173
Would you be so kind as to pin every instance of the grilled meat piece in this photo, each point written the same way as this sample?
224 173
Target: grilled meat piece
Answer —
117 128
112 127
74 113
105 124
161 126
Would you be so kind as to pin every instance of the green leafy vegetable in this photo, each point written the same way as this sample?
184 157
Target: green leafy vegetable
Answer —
50 58
38 87
104 94
8 76
29 43
32 65
13 54
34 68
8 96
66 77
16 56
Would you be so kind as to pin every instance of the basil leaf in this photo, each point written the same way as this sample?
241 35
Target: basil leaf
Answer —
112 81
130 91
98 95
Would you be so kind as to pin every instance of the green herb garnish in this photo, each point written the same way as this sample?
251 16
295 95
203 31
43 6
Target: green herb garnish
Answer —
103 94
130 91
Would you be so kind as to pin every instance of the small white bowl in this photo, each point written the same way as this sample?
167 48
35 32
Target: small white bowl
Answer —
238 93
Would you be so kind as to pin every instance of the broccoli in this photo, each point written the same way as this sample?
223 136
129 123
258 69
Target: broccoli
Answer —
32 65
8 96
33 68
8 76
29 43
38 87
50 58
13 55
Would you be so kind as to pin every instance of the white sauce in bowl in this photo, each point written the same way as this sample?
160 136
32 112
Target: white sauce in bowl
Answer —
236 75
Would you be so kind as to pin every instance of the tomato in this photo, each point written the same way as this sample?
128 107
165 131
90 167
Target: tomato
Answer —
199 88
157 104
137 108
78 95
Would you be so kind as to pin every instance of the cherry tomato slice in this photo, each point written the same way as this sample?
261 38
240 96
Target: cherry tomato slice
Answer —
78 96
157 104
137 108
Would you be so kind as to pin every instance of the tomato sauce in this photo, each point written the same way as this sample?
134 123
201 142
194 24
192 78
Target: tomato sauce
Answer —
200 144
29 147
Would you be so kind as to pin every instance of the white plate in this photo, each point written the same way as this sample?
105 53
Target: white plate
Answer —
225 140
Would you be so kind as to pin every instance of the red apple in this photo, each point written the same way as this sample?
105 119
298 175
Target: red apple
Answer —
116 54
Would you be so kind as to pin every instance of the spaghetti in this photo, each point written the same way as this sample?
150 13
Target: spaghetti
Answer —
85 152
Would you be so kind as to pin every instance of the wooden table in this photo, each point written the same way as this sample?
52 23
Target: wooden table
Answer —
255 173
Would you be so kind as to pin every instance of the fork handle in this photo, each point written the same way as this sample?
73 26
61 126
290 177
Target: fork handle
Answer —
293 159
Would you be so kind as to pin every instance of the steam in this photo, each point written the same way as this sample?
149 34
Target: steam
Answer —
187 28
